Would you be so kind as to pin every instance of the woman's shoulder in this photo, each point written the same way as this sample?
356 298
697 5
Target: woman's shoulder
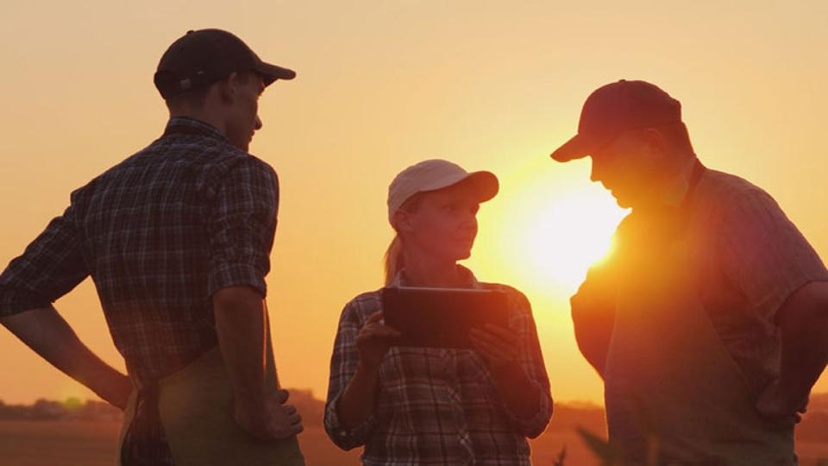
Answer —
363 305
508 289
514 295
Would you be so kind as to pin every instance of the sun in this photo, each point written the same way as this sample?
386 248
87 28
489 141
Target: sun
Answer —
567 236
546 229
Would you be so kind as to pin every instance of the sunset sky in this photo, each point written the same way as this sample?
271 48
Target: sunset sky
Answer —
493 85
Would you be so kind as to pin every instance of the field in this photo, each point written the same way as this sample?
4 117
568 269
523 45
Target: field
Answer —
58 443
93 443
84 443
81 443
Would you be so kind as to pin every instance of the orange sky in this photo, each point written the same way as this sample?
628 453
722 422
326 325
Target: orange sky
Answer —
382 84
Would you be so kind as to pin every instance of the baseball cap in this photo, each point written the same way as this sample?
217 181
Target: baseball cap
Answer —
434 174
202 57
615 108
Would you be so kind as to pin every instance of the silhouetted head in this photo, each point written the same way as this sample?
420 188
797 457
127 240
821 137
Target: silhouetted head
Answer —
634 133
212 75
433 206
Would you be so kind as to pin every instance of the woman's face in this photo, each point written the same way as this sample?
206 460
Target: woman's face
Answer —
443 225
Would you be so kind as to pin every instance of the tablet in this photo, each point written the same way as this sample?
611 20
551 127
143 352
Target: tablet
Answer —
441 317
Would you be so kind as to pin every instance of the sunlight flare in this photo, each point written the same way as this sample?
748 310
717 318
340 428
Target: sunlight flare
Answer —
548 227
568 236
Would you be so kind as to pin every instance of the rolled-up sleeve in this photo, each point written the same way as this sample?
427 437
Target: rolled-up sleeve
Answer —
51 266
242 224
344 361
531 361
764 254
345 438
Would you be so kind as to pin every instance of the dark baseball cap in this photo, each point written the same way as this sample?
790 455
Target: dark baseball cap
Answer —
614 109
200 58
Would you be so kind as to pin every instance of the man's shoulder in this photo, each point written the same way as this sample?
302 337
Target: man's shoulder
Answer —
257 163
723 198
727 186
206 155
224 158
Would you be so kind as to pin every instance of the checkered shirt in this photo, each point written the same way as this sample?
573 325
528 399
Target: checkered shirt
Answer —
437 406
159 233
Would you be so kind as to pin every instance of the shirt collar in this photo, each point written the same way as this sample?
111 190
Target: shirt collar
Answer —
469 280
192 127
678 191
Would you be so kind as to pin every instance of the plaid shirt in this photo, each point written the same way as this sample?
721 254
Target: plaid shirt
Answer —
159 233
437 406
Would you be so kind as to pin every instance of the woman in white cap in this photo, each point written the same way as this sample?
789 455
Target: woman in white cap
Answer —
426 405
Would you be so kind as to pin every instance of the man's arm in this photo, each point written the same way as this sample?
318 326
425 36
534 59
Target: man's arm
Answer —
241 226
44 331
51 266
240 326
784 282
593 316
803 320
593 305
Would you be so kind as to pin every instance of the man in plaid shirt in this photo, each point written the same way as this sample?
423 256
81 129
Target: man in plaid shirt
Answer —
177 240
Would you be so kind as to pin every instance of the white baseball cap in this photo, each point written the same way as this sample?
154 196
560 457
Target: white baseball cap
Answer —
434 174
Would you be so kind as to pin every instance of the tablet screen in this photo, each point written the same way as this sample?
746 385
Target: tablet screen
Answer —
441 317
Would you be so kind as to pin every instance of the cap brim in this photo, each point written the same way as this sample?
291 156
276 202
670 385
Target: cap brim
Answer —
485 184
576 148
272 72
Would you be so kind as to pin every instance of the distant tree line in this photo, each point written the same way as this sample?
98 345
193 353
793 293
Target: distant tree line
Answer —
813 428
311 408
70 409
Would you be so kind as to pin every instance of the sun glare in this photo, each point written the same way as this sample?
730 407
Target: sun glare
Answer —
569 235
550 230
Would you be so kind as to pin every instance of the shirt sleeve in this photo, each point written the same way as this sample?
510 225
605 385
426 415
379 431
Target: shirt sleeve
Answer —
530 358
241 226
593 305
51 266
764 254
343 366
593 315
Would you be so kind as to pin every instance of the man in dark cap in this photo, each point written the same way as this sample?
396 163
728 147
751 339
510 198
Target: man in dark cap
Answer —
177 239
709 321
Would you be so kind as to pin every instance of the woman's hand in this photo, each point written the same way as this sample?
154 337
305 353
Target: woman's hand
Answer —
359 398
497 346
500 348
373 341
